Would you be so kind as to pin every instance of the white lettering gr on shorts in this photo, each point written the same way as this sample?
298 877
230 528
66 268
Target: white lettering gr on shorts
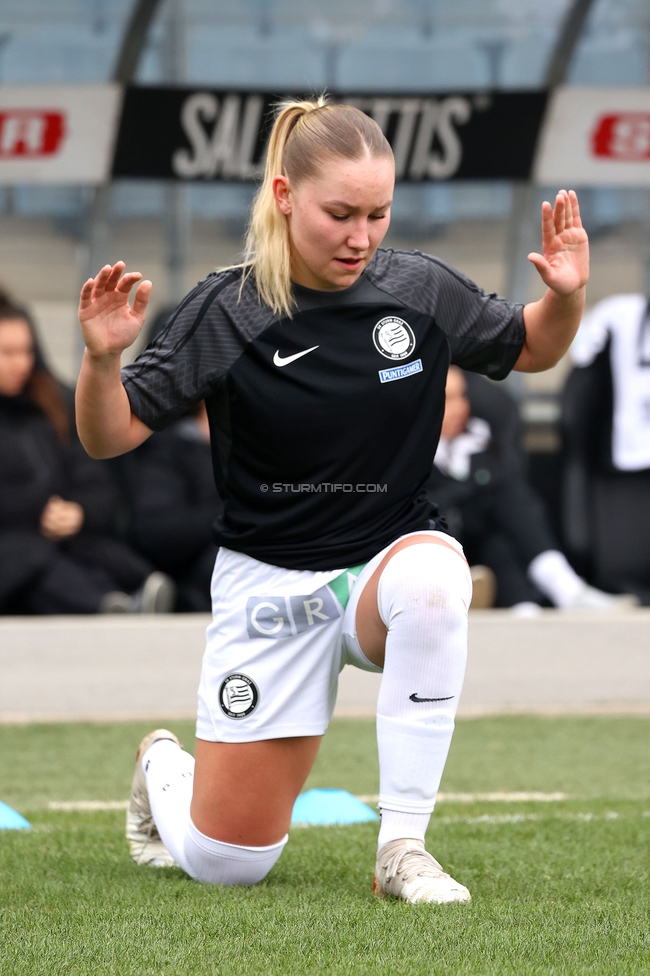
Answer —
274 617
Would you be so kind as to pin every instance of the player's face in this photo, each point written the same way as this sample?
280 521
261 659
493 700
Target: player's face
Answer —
337 220
16 356
457 407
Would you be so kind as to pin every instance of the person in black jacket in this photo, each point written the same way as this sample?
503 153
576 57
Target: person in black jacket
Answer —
56 504
606 437
498 517
174 504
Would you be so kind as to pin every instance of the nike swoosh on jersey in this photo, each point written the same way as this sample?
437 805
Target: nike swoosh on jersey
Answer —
414 698
279 360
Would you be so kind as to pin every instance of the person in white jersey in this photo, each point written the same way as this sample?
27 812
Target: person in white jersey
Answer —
322 360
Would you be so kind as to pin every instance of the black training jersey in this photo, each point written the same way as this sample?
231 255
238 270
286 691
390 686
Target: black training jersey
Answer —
324 425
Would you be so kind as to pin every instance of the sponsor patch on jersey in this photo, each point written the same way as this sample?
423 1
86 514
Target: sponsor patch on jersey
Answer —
275 616
400 372
393 338
238 696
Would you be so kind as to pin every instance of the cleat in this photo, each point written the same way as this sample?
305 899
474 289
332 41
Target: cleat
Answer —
407 871
142 835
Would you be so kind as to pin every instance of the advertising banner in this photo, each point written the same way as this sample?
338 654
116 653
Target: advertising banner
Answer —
596 137
84 134
204 134
57 134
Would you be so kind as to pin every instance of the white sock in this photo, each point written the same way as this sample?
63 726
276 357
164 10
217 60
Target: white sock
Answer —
169 772
395 825
552 574
219 863
423 598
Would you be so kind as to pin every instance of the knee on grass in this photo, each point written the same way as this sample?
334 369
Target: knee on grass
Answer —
218 863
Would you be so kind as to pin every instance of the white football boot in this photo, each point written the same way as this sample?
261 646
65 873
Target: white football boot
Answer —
145 844
407 871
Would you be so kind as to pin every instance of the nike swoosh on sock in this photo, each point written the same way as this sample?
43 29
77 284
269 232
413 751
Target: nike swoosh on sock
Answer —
414 698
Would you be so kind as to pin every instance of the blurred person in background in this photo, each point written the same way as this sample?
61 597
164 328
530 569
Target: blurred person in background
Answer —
606 432
174 504
56 504
499 518
171 502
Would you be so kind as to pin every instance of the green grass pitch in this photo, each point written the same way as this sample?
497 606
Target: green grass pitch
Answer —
558 888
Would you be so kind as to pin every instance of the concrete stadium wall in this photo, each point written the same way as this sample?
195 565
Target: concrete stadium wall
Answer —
105 668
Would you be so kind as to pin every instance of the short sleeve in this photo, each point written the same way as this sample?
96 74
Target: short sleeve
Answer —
183 363
485 332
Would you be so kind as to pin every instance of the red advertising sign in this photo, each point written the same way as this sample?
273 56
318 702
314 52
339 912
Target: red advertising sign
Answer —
30 133
595 136
624 136
57 133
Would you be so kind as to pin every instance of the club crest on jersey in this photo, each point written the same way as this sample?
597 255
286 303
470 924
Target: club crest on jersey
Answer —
393 338
238 696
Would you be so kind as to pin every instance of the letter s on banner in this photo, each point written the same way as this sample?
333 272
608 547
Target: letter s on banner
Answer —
196 162
437 119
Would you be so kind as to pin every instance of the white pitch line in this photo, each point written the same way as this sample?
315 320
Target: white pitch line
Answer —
513 818
485 818
500 797
71 805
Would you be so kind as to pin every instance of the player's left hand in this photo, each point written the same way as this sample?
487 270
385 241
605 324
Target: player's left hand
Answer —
564 265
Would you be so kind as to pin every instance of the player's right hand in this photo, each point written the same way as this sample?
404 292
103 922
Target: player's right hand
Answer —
109 324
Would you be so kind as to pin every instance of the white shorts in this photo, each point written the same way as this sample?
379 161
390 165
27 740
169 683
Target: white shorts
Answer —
275 647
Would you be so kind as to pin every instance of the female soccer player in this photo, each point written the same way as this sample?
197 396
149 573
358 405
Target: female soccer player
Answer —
322 360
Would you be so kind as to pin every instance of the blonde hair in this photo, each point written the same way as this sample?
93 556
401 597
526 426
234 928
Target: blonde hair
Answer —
303 136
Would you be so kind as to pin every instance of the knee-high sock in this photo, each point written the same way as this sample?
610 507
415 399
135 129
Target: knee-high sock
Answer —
169 772
423 598
219 863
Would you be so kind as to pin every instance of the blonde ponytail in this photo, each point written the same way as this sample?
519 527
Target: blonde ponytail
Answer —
303 135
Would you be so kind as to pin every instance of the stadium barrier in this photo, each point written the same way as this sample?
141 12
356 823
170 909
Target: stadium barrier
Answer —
128 667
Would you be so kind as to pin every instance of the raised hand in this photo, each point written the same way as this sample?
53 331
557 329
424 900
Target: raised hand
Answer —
564 265
109 324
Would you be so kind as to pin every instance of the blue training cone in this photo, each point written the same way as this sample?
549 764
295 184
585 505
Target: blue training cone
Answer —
328 807
11 820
